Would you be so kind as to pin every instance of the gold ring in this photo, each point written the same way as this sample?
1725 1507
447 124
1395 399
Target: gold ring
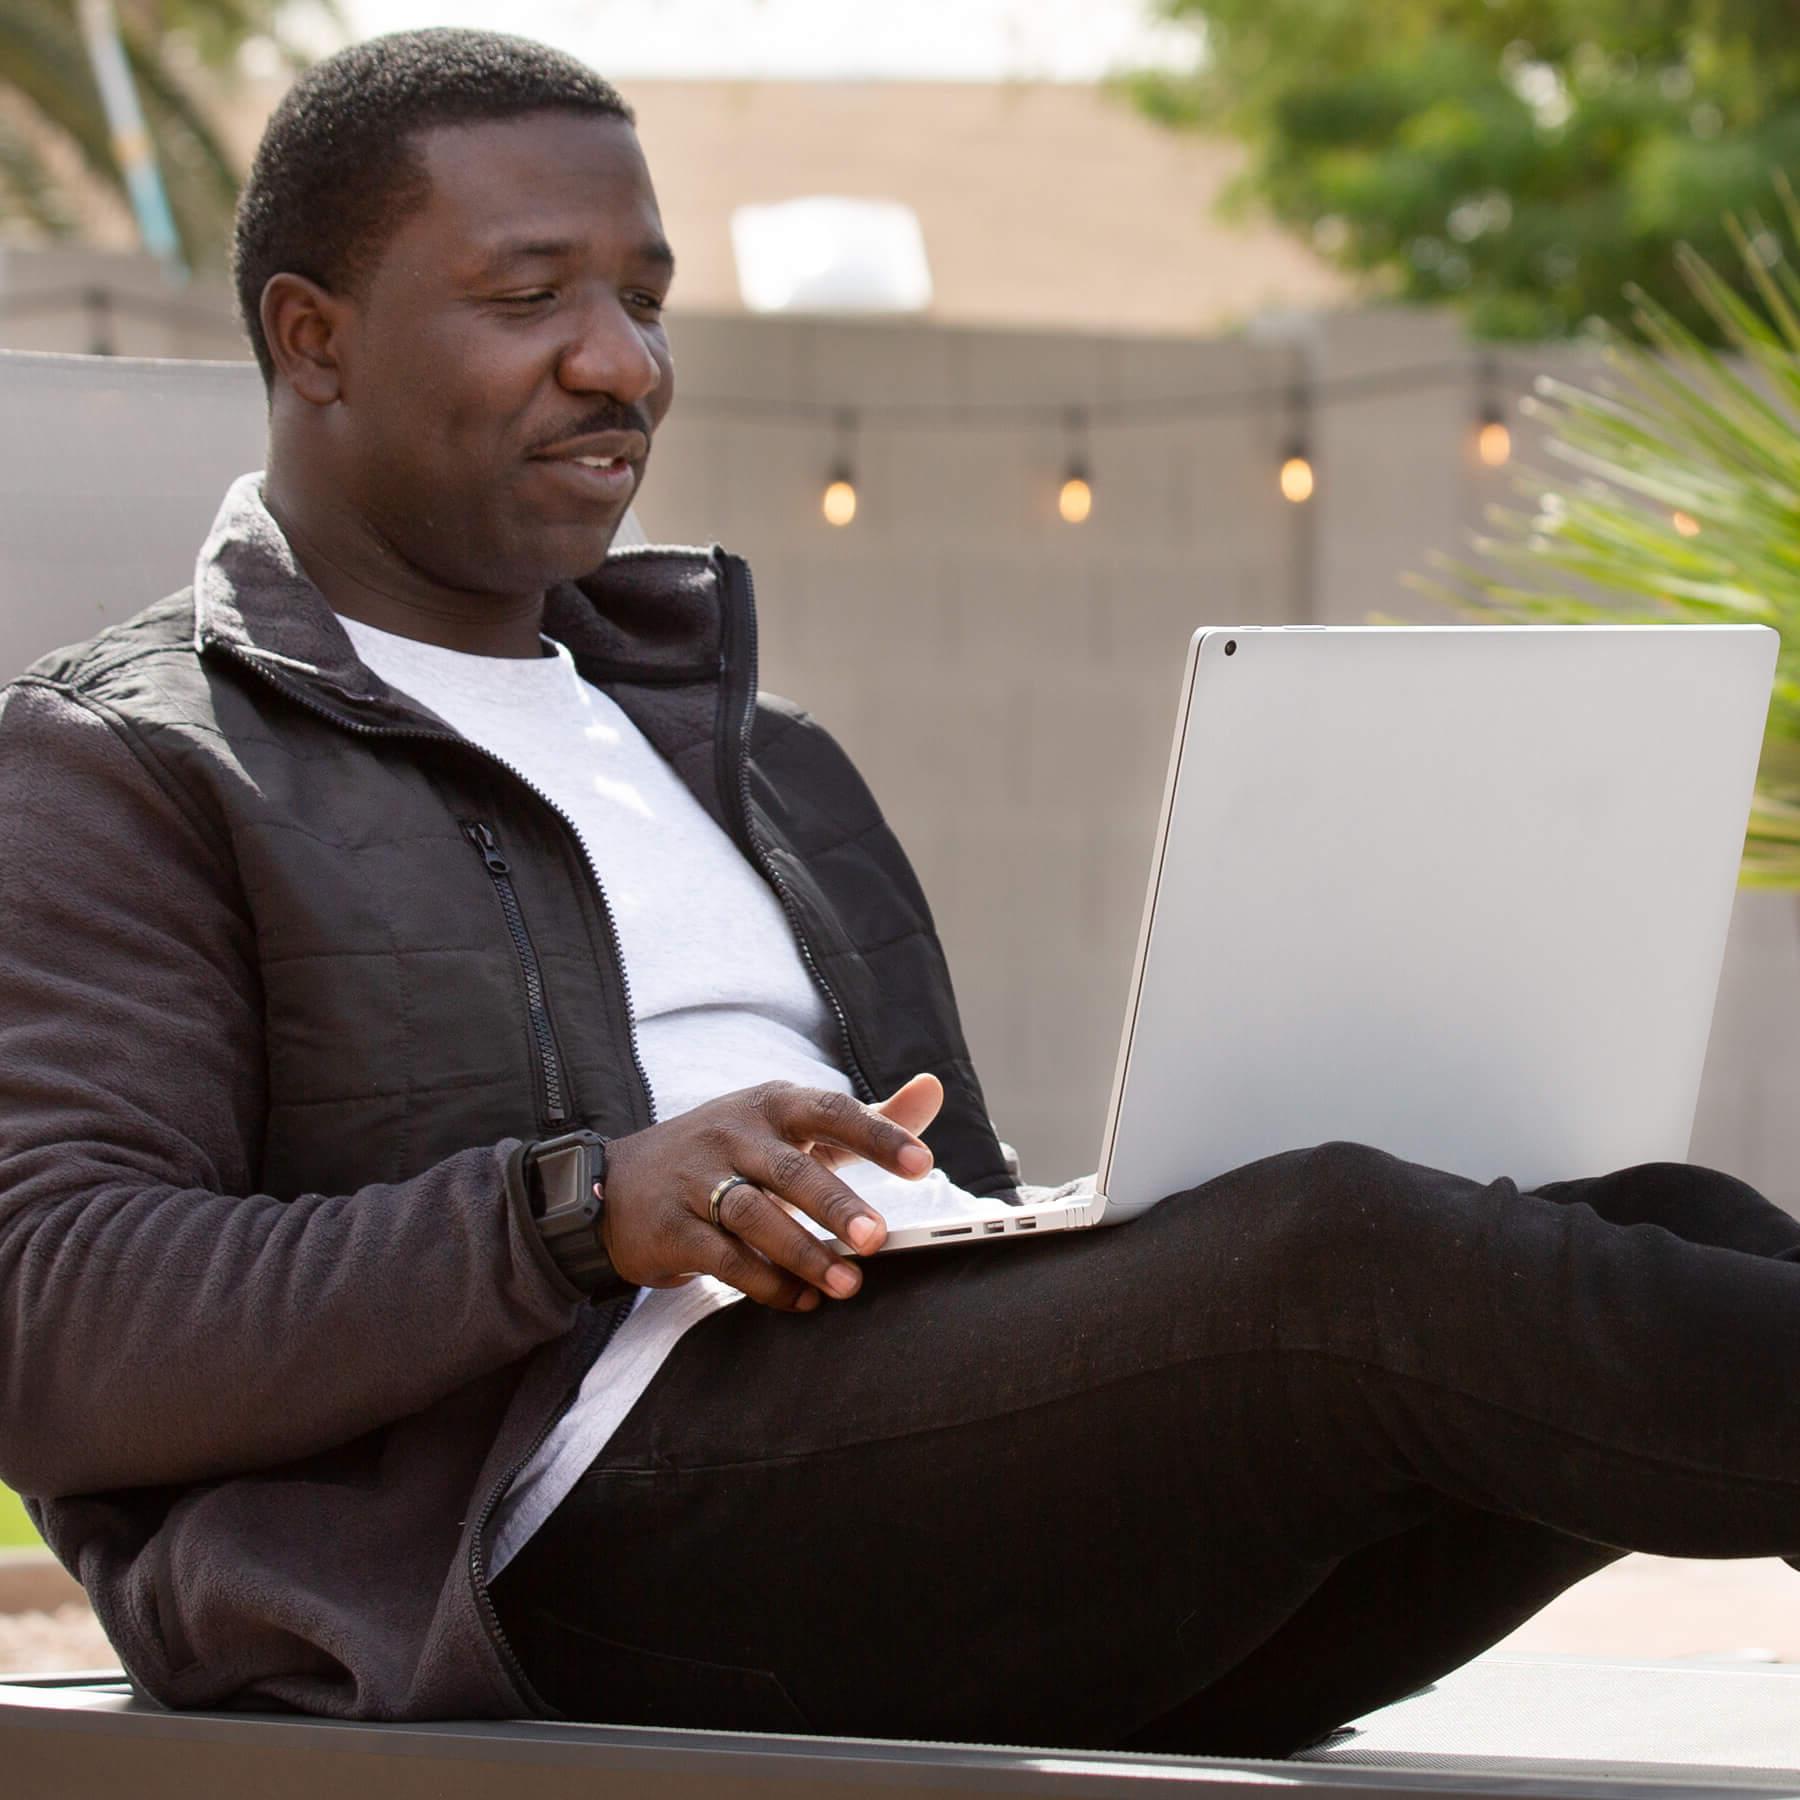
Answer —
719 1193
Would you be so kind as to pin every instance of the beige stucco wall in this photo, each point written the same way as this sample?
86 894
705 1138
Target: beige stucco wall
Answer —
1006 681
1056 205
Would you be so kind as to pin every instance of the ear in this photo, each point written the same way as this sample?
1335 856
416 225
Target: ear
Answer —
304 325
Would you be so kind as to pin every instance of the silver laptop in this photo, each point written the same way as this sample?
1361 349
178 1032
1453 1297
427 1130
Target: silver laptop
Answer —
1458 892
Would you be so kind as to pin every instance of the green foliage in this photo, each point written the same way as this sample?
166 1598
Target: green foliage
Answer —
16 1531
1523 158
1683 501
183 55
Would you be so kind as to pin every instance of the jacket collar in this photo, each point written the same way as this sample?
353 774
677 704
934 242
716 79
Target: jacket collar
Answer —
648 614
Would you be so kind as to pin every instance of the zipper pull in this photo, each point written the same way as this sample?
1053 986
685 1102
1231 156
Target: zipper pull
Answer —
485 841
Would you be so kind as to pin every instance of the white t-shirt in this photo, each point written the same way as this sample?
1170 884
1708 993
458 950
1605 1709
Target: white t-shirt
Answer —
720 997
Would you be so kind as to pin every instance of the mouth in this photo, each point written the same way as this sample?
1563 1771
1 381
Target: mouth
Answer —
600 471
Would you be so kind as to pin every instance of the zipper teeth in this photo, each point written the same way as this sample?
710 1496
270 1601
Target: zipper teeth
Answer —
477 1558
865 1089
536 1003
531 787
534 1000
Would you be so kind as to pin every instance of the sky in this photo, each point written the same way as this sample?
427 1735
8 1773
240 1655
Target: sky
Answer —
973 40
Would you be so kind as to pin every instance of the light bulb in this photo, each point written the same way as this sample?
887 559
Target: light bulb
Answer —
1297 480
1685 523
1493 443
839 504
1076 500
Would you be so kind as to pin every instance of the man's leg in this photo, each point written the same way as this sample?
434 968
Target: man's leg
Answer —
1052 1492
1387 1621
1399 1614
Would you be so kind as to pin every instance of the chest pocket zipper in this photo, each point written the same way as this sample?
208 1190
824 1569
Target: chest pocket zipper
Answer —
556 1111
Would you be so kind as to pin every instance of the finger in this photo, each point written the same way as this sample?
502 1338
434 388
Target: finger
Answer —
912 1106
732 1261
773 1232
786 1172
817 1115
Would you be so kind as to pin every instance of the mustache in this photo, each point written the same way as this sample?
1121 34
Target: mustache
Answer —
614 415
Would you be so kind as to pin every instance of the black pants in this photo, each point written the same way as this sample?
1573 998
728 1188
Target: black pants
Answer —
1280 1451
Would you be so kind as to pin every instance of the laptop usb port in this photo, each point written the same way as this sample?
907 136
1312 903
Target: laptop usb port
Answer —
955 1231
1025 1225
994 1225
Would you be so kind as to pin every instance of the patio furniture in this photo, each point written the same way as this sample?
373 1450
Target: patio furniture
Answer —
1505 1726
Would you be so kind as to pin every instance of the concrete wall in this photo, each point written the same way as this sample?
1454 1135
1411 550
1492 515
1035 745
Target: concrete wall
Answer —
1008 681
92 301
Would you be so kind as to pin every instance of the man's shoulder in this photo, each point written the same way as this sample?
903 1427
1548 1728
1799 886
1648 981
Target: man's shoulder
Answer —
142 679
801 755
781 728
97 667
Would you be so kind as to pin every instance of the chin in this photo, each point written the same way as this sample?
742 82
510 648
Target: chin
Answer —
558 554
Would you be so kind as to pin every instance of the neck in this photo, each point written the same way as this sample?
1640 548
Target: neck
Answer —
363 577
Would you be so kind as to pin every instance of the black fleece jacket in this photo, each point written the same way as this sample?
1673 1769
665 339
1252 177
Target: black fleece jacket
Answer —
275 1333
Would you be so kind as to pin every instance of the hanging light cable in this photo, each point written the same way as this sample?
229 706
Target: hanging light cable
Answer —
839 501
1075 501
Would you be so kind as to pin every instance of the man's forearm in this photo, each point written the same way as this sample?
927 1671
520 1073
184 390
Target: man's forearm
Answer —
156 1335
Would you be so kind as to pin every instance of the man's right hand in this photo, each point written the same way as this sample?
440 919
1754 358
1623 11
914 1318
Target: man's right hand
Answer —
784 1139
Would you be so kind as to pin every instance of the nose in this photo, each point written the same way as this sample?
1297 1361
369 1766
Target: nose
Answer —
609 353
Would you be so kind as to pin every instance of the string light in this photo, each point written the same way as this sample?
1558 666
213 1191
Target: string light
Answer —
839 501
1493 437
1297 477
1076 499
1685 523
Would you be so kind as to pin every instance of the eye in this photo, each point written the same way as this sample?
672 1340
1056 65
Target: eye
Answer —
646 302
524 302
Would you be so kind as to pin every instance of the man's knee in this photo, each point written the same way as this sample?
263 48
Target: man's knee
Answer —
1335 1205
1354 1188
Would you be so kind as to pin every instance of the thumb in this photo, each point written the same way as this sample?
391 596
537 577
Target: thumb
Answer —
914 1105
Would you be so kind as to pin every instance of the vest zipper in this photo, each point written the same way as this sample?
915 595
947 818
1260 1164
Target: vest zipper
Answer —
537 1010
765 863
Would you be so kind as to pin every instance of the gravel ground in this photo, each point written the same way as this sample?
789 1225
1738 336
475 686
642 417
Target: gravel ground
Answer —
39 1643
1645 1607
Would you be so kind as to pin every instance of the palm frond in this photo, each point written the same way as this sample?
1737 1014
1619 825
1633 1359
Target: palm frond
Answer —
1675 430
183 57
27 188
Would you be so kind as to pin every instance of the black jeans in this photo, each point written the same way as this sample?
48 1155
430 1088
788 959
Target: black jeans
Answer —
1277 1452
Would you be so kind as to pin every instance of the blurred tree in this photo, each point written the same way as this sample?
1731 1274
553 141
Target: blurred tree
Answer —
1524 158
184 57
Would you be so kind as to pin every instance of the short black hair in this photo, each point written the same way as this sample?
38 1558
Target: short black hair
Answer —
338 167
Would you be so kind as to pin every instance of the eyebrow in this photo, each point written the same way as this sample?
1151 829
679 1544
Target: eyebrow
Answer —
654 250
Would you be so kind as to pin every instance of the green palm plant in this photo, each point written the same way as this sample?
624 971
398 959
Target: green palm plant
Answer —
1682 501
183 57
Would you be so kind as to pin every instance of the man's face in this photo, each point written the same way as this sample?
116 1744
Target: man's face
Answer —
507 364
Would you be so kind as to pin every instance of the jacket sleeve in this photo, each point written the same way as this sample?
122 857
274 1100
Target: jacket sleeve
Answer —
159 1321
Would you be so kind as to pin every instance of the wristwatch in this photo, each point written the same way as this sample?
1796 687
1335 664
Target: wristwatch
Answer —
565 1182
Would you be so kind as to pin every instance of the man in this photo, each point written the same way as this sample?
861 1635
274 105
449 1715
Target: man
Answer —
425 955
